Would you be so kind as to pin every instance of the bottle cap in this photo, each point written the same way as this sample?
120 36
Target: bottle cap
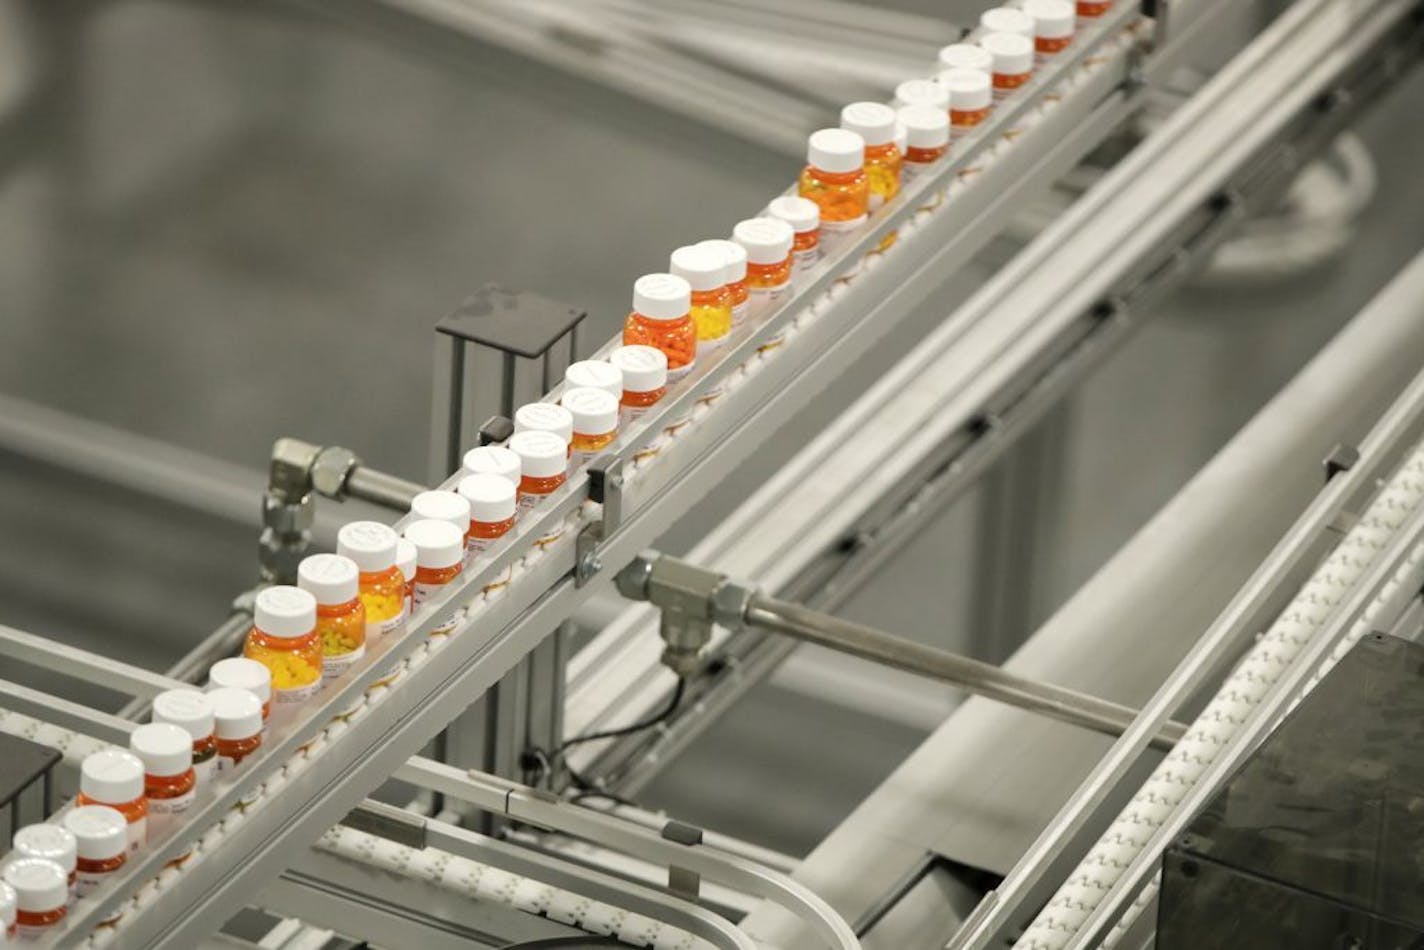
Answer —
189 709
50 842
595 411
662 297
331 578
872 121
734 257
100 832
925 127
164 749
767 240
370 544
600 374
541 454
802 214
969 89
836 151
9 903
491 497
406 559
922 92
285 612
1012 52
702 267
1006 20
493 460
445 506
40 886
965 56
645 367
238 672
111 776
237 714
1052 19
545 417
438 544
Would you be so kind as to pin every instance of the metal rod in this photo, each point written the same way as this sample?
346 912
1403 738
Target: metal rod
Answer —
379 488
972 675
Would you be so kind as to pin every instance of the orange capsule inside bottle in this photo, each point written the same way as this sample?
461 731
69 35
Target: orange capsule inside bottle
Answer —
661 318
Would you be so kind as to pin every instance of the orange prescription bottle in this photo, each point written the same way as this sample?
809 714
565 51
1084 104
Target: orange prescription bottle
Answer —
595 413
644 371
50 843
1052 26
114 777
875 123
372 546
595 374
1089 10
9 904
439 558
805 219
1013 61
335 582
965 56
546 417
492 504
102 841
705 270
169 782
543 463
192 712
283 638
1006 20
493 460
239 672
922 92
237 724
971 96
661 317
41 895
734 276
834 178
405 563
768 243
926 137
442 506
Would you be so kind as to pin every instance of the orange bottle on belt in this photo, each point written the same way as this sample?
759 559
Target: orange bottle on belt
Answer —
595 415
493 503
926 137
1052 26
1013 61
335 582
51 843
493 460
705 270
374 548
1006 20
543 462
283 638
922 92
114 777
594 374
237 725
41 895
734 275
971 96
964 56
439 559
768 243
874 122
169 782
546 417
834 178
1089 10
192 712
661 318
239 672
101 839
805 219
442 506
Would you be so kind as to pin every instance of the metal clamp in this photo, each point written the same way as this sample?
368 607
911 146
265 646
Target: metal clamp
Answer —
605 487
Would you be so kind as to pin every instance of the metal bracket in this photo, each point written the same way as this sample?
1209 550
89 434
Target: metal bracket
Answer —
496 429
682 881
1342 458
605 487
389 822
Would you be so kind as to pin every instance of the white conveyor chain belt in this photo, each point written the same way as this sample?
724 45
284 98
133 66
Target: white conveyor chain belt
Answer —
1163 792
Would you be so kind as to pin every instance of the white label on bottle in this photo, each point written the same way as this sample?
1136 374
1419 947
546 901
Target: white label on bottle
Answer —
848 225
138 834
172 806
770 294
337 664
631 414
808 258
88 881
529 501
424 592
297 694
391 624
205 769
875 201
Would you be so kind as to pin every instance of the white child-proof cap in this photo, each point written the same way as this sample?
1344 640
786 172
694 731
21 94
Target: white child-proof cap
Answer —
370 544
645 368
237 714
541 454
836 151
330 578
189 709
925 127
40 885
50 842
969 89
1052 19
545 417
406 559
922 92
164 749
872 121
702 267
493 460
965 56
767 240
595 411
491 497
734 257
112 776
802 214
1012 52
1006 20
285 612
239 672
445 506
438 544
100 832
601 374
662 297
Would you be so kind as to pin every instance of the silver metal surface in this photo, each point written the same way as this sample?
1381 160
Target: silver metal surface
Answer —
91 667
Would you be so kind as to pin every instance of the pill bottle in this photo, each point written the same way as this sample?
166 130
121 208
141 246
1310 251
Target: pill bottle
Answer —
283 638
546 417
1052 26
492 501
1006 20
101 840
372 546
192 712
9 904
1013 61
711 302
734 276
644 379
439 558
543 465
238 672
964 56
595 415
768 243
169 782
661 317
493 460
595 374
405 563
834 178
441 506
114 777
50 843
922 92
1090 10
874 122
237 723
41 895
805 219
335 582
926 137
971 96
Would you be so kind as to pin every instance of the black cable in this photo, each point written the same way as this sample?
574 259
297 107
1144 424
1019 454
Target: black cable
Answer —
572 943
628 730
